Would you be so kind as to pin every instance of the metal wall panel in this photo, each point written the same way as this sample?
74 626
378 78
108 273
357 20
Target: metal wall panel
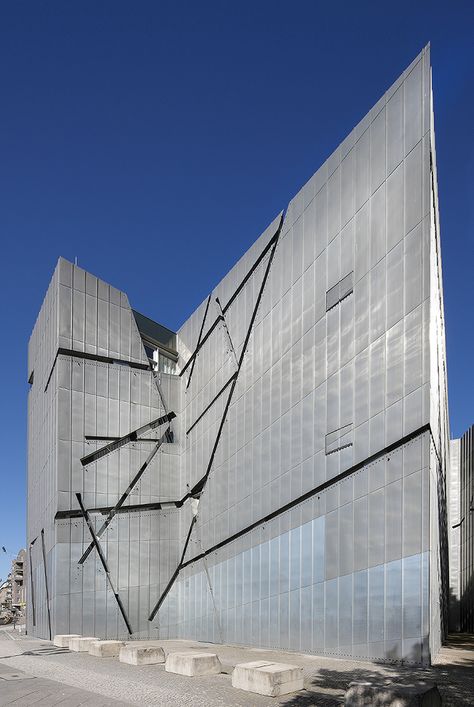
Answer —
83 397
466 538
361 611
333 574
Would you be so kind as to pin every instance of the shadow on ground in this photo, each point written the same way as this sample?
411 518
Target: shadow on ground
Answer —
453 674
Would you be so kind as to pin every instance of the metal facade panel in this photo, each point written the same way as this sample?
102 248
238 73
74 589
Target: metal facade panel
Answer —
320 333
84 399
466 535
350 597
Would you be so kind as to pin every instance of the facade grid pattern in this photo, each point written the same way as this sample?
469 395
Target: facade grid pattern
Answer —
300 500
466 589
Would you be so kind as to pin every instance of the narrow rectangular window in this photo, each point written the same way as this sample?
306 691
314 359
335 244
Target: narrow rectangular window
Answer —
340 291
339 439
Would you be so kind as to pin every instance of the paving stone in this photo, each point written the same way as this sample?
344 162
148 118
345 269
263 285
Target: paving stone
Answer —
105 649
61 640
142 655
326 678
21 689
268 678
364 694
192 663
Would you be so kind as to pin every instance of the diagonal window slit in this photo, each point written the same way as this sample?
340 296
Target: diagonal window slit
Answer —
208 407
200 485
93 357
130 437
268 248
124 496
227 333
175 573
310 494
96 544
199 340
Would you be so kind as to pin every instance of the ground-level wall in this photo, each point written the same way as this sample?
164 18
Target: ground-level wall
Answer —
345 572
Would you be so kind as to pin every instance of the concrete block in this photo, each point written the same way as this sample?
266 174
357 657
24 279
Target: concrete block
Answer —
267 678
362 694
192 663
61 640
141 655
81 644
105 649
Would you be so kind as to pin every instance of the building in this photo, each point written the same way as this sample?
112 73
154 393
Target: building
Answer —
12 590
6 594
461 533
273 473
466 540
18 588
454 530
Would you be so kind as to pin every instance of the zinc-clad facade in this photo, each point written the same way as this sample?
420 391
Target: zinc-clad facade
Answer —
91 378
311 425
454 509
466 536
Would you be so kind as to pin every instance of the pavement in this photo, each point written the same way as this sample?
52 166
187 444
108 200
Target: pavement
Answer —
34 672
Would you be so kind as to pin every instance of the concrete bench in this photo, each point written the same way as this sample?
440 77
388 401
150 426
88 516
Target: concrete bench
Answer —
141 655
81 644
105 649
267 678
362 694
61 640
192 663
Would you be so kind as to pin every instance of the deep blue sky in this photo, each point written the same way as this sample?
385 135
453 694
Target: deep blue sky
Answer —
156 140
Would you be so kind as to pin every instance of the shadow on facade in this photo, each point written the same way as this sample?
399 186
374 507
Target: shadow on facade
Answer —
454 611
444 590
466 606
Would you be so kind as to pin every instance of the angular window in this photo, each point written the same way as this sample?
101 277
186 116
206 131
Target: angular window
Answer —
337 293
339 439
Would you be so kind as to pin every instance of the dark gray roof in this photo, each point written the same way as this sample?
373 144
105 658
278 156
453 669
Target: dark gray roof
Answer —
156 333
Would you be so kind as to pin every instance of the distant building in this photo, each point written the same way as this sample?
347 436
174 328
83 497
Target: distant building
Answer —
17 581
12 590
6 594
461 555
273 474
454 534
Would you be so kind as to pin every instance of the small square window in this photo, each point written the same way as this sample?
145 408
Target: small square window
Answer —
339 439
339 291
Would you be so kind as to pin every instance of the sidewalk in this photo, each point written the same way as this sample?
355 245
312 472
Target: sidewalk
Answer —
19 688
61 676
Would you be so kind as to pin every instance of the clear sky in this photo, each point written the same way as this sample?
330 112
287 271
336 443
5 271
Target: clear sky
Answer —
154 141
